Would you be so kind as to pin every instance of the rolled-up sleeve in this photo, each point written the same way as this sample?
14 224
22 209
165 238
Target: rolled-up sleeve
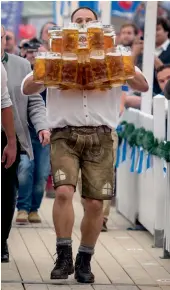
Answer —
5 98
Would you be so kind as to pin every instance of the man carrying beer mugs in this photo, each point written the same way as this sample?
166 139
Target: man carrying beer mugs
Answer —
81 123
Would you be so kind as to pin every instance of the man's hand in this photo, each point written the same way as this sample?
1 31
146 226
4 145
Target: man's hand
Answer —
44 137
9 154
137 48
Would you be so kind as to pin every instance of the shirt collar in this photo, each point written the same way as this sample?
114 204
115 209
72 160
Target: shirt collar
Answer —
163 47
4 58
165 44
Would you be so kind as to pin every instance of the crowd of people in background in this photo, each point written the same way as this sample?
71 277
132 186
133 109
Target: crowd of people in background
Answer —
31 124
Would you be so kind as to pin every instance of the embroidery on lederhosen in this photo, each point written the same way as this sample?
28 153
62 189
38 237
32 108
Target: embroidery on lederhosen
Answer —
59 176
115 145
107 189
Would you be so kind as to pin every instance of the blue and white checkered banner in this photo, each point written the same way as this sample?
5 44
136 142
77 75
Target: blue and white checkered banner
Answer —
124 8
11 12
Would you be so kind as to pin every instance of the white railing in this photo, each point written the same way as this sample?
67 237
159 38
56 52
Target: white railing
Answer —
146 196
166 252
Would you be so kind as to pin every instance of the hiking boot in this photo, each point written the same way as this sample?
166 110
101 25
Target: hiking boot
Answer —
64 263
83 272
104 227
34 217
4 254
22 217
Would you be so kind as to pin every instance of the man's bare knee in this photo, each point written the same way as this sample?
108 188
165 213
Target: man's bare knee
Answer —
64 193
93 206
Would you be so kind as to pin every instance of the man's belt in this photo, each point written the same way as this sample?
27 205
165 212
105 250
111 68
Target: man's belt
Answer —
84 129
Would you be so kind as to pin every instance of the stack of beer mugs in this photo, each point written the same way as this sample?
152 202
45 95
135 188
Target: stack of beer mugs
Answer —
83 57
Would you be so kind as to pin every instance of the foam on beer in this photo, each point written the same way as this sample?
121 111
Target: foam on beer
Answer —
40 57
94 25
97 57
65 57
126 53
110 34
113 54
53 56
71 26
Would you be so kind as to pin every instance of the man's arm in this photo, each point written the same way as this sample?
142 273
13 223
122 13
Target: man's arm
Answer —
133 102
29 87
37 114
157 62
138 83
9 153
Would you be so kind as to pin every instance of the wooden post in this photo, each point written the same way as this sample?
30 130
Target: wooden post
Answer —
159 179
148 55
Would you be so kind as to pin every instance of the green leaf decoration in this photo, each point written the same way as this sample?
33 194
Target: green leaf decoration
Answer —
141 138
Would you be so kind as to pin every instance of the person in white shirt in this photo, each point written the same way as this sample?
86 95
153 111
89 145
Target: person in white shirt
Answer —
81 123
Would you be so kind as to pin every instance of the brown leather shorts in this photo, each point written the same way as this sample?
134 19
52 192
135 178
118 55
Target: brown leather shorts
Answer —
89 149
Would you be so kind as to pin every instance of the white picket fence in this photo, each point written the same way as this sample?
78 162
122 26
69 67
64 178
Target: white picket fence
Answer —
146 196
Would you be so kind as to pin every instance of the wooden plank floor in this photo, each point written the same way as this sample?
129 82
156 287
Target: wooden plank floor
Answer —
123 260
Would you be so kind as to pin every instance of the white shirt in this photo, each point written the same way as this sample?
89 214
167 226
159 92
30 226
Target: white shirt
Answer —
82 107
163 47
5 98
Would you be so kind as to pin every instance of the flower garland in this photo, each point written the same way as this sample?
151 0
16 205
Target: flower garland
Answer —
143 139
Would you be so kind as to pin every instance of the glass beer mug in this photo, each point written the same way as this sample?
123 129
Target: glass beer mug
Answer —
95 35
115 67
109 36
53 69
69 70
55 39
82 43
129 67
39 68
70 38
99 68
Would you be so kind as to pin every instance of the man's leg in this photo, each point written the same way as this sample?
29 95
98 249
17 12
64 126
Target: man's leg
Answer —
97 185
9 185
25 179
65 168
108 203
41 172
106 212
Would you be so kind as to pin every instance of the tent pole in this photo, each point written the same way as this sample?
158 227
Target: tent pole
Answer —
148 55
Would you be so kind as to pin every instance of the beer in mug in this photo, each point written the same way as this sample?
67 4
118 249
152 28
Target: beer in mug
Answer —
55 38
53 69
39 68
70 38
69 70
115 67
99 69
109 35
95 35
129 68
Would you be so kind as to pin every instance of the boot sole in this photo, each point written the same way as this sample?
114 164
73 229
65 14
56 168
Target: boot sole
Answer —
4 261
35 221
83 281
55 277
22 221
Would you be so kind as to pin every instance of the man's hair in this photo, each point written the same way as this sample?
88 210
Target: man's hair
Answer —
135 29
81 8
164 23
162 67
42 29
